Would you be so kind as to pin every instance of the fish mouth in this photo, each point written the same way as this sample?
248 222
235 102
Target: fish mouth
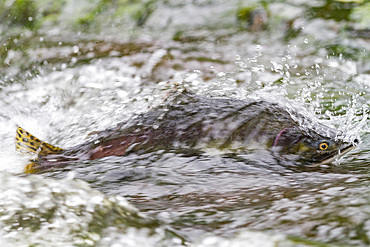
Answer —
335 155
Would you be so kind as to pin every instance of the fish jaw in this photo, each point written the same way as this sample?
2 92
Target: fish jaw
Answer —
335 156
304 147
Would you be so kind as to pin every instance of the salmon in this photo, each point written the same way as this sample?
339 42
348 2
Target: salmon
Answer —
193 122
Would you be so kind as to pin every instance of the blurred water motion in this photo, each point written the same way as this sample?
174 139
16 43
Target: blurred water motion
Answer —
72 67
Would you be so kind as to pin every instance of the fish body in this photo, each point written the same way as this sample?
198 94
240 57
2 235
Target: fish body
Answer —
193 122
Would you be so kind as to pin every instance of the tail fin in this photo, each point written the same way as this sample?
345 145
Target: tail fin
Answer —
25 142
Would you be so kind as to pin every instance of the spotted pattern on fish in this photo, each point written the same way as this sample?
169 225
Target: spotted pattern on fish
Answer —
25 142
190 122
31 167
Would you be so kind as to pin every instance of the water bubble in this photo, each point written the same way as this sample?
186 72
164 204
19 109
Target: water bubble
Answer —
195 83
75 49
305 41
190 77
276 67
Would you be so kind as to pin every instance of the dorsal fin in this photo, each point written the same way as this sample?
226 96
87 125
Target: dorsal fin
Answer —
25 142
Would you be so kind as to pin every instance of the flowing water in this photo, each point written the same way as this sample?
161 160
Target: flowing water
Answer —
62 83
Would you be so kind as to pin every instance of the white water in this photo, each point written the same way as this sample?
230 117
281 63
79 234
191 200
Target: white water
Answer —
209 200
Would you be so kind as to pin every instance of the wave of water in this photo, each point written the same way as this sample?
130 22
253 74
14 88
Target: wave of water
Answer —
73 88
63 106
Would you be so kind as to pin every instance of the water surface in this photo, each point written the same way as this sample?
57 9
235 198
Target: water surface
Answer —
61 84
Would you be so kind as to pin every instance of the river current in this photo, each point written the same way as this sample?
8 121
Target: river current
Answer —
70 84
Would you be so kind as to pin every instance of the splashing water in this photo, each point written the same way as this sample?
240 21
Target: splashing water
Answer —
43 211
61 107
316 94
72 83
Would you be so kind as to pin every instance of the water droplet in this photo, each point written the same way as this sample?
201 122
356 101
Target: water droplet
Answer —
75 49
305 41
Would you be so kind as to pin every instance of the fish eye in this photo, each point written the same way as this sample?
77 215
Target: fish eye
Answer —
323 145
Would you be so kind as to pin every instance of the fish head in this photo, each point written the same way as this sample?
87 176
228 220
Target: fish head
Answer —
310 147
